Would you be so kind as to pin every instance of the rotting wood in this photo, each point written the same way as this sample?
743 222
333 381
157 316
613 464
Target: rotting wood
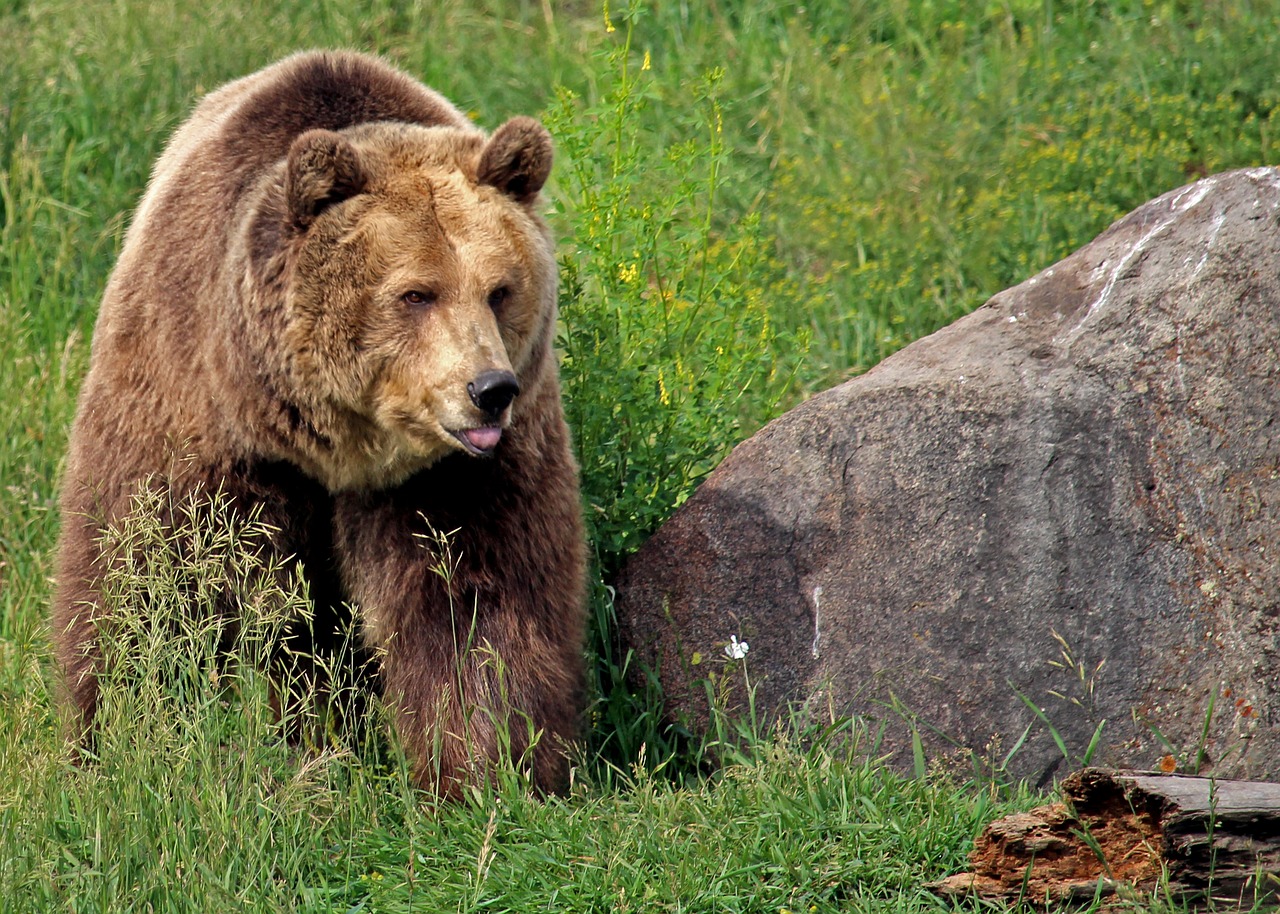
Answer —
1215 839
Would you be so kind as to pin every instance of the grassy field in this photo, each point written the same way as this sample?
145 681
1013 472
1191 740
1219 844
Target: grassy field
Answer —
755 200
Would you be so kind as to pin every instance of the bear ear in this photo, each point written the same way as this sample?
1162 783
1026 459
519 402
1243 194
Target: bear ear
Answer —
322 169
517 159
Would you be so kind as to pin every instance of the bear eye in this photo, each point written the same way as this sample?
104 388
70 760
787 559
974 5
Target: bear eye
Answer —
416 298
498 296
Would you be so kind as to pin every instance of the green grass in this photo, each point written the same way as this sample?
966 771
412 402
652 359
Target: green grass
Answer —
755 200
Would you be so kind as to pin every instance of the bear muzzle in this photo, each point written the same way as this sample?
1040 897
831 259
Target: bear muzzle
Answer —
492 392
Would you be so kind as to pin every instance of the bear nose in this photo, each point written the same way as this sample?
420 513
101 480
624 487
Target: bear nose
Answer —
493 391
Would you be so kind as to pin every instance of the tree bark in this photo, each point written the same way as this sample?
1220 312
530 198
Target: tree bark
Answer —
1216 840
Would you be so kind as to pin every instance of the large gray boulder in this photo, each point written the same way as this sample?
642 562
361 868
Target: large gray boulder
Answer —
1070 497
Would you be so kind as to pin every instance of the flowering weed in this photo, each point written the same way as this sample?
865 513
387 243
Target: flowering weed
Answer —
669 355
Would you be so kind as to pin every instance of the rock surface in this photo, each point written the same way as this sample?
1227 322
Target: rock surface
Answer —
1070 496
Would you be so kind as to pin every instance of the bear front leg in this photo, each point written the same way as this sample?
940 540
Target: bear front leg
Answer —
465 711
471 582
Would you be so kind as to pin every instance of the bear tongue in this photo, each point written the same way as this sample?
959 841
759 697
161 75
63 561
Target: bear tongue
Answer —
484 438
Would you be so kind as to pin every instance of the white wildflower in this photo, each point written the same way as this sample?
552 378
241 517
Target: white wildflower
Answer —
736 649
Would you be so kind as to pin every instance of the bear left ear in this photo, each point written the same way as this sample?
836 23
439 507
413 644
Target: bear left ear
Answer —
322 169
517 159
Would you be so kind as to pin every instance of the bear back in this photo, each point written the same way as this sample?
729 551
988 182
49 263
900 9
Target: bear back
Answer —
249 124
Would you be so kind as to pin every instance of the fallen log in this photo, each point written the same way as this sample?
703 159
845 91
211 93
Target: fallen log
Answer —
1208 839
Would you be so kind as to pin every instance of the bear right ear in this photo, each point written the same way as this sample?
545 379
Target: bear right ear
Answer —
322 169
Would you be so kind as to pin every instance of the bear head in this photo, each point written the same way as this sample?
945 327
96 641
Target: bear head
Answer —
419 293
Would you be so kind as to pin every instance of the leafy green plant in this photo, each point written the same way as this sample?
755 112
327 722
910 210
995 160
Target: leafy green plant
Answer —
669 355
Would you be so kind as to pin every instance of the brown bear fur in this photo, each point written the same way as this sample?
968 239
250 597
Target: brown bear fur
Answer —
329 294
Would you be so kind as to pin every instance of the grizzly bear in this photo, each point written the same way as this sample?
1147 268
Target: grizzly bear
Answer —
335 305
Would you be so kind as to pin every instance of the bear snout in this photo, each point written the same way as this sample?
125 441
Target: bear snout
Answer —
492 391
